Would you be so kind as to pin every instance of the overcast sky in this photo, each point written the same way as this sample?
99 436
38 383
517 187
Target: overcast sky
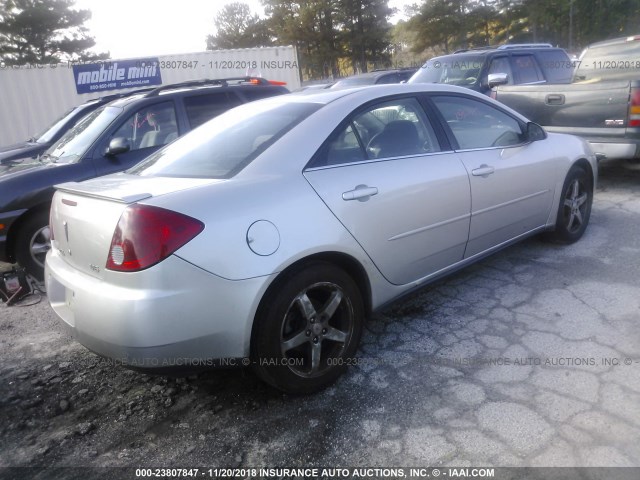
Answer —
138 28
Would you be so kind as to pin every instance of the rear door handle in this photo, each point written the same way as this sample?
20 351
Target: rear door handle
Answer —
483 171
554 99
361 192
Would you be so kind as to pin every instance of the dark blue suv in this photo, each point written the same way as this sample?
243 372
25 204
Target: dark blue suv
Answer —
110 139
41 141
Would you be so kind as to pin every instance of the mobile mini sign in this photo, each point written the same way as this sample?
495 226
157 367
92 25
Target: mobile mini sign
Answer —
102 76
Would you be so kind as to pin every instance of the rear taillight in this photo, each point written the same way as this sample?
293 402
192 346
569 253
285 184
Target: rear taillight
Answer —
146 235
634 108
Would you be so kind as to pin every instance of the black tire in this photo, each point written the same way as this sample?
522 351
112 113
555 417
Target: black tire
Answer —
33 243
308 327
574 209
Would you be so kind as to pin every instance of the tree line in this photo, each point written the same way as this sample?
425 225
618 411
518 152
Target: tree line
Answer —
350 36
339 37
330 35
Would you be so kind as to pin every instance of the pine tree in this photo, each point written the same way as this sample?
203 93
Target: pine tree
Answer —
43 32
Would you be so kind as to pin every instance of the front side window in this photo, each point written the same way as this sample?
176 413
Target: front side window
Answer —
501 65
525 69
475 124
151 126
391 129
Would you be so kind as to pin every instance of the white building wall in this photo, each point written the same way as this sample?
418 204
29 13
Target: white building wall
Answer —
31 98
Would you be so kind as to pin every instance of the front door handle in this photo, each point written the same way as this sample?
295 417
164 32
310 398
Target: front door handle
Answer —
483 171
361 193
554 99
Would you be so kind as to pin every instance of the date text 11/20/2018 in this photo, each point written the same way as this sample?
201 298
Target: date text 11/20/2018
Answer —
229 64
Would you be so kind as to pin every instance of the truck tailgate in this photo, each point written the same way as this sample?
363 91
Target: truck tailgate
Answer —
589 106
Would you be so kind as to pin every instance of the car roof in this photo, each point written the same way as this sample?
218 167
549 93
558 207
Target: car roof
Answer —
365 93
191 86
375 73
373 91
514 47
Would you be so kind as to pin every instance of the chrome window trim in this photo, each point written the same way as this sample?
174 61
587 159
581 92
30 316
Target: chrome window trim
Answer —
377 160
479 149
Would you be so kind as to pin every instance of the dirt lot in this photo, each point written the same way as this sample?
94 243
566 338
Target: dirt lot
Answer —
529 358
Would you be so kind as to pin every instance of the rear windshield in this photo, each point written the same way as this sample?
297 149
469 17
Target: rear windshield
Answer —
225 145
460 70
620 61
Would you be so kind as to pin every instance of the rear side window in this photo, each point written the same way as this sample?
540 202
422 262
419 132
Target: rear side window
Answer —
390 78
390 129
257 93
202 108
151 126
406 75
556 65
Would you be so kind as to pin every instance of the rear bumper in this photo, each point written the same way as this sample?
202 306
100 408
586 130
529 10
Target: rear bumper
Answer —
615 150
621 143
172 315
6 220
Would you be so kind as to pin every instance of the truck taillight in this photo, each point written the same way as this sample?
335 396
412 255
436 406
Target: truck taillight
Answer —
634 108
146 235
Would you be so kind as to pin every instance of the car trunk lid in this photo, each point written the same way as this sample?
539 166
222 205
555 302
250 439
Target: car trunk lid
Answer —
84 215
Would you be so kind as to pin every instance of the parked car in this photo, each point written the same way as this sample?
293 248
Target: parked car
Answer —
602 105
377 77
37 144
272 231
111 138
313 88
524 63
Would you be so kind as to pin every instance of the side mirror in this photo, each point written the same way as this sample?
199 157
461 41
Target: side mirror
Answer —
117 146
495 79
535 132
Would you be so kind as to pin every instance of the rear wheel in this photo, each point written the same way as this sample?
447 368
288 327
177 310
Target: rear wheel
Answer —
33 241
308 328
575 207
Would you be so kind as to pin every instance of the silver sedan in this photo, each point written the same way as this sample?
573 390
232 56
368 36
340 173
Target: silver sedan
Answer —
268 235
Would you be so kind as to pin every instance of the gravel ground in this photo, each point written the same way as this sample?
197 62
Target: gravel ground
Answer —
529 358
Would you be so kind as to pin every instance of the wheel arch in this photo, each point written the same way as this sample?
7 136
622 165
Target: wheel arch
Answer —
342 260
17 225
584 163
